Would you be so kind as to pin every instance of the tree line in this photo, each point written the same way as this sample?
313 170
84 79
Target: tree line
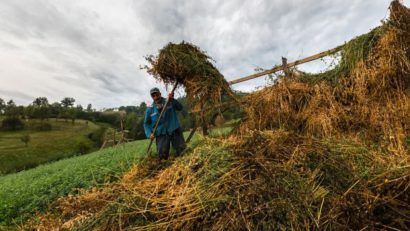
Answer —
14 116
128 118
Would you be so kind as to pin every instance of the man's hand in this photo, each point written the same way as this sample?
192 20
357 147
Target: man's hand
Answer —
152 137
171 96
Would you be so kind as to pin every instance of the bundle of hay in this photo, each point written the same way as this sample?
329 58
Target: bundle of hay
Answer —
186 64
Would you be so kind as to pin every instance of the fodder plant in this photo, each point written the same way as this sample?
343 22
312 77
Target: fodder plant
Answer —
366 94
187 64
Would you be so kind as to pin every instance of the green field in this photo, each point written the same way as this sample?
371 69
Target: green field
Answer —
27 191
44 146
32 190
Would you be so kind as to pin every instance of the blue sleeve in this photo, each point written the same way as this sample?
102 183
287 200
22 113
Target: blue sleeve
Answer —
147 123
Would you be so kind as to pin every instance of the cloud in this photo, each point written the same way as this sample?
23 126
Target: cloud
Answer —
91 50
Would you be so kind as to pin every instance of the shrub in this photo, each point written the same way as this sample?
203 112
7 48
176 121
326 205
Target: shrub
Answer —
83 147
12 124
44 126
97 136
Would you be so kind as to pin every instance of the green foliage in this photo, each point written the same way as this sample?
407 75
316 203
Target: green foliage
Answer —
12 124
2 106
67 102
12 110
41 102
138 110
134 125
89 108
97 136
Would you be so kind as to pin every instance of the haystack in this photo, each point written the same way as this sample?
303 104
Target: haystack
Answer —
368 92
186 64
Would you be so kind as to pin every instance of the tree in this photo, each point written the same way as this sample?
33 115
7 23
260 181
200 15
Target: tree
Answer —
141 109
40 109
135 126
41 102
67 102
11 103
2 106
12 124
72 114
89 108
11 110
13 121
79 107
55 110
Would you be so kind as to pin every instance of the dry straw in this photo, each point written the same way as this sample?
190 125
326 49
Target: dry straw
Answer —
185 63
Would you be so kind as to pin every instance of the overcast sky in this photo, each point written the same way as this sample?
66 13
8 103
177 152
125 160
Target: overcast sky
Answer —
91 50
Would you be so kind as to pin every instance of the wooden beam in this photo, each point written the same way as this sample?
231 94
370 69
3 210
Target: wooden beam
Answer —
281 67
216 106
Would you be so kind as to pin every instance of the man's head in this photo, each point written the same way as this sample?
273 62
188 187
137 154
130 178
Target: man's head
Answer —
155 94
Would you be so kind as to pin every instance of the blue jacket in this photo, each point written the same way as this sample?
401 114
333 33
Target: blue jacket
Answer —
169 121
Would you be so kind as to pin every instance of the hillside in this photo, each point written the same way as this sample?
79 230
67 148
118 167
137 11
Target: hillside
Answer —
25 192
62 140
315 152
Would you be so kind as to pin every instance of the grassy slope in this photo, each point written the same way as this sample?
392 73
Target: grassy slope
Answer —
44 146
25 192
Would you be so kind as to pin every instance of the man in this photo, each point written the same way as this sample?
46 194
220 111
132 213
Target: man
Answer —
169 129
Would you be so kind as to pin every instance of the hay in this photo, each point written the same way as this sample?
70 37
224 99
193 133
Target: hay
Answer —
269 180
368 92
185 63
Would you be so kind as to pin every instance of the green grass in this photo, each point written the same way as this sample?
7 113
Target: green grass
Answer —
23 193
44 146
27 191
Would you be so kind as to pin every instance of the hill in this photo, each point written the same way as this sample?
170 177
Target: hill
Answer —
25 192
61 140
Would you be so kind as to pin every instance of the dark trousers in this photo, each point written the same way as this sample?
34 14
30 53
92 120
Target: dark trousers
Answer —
163 143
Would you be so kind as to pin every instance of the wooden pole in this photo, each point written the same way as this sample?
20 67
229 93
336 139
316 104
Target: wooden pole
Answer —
281 67
284 65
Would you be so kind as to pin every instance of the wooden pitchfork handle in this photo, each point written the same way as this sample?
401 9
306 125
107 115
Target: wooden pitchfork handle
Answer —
160 116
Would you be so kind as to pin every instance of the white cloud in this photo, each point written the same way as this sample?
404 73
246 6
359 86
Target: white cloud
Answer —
91 50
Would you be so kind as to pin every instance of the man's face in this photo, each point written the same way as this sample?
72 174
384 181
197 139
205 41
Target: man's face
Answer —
156 96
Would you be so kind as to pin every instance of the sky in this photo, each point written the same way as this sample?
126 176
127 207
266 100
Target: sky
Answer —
92 50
